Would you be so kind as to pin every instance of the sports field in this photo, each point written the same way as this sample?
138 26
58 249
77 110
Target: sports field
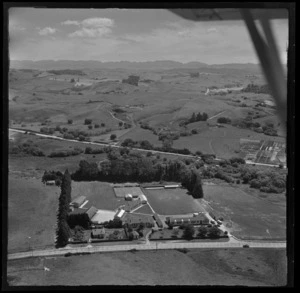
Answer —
172 201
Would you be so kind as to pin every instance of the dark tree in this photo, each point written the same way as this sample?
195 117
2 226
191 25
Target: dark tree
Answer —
197 189
70 121
113 137
202 232
63 234
188 231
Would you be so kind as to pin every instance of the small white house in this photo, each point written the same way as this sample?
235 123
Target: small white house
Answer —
128 196
143 199
120 213
50 182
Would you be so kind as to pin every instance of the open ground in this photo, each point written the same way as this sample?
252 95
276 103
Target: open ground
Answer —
247 216
244 267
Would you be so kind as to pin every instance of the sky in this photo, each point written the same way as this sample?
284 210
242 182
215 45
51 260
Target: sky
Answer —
130 35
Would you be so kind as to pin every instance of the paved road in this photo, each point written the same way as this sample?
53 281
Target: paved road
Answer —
147 246
97 143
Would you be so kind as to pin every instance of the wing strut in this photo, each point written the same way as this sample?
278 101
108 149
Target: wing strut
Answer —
269 59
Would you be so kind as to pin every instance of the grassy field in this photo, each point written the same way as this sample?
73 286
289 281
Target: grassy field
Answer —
172 201
31 213
229 267
247 216
100 194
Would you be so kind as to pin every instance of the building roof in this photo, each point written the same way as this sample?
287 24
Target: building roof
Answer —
91 212
143 197
199 217
120 213
77 211
79 199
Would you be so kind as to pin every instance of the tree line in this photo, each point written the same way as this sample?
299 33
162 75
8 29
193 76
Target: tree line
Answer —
126 166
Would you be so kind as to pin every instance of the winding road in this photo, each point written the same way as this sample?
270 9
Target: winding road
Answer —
95 143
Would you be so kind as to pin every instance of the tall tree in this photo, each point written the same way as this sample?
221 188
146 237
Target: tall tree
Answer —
197 189
63 234
188 231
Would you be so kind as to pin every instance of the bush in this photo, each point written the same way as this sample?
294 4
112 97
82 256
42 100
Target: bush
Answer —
70 121
224 120
87 121
113 137
90 127
102 124
96 125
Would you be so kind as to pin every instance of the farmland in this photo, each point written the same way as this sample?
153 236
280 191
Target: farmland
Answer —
255 267
32 210
247 216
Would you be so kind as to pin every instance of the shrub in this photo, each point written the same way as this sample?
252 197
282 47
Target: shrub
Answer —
87 121
96 125
224 120
113 137
70 121
102 124
90 127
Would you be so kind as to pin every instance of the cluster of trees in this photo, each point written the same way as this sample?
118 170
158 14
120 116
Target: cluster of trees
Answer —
47 130
63 231
81 220
265 181
67 72
88 121
194 74
202 232
258 89
27 148
132 79
224 120
113 224
197 117
66 153
124 166
53 175
89 150
146 145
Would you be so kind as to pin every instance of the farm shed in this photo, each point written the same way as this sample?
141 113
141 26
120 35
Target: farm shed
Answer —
120 214
77 211
77 202
128 196
143 198
200 219
91 212
50 182
172 186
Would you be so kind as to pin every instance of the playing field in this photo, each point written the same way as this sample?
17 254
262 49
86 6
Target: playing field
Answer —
172 201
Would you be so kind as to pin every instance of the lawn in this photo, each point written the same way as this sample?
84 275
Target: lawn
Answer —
247 216
172 201
144 209
100 194
243 267
32 210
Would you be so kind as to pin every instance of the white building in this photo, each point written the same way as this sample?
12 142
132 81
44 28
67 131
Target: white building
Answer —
143 198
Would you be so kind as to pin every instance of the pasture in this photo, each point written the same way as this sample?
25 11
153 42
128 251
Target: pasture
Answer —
245 215
241 267
32 208
172 201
